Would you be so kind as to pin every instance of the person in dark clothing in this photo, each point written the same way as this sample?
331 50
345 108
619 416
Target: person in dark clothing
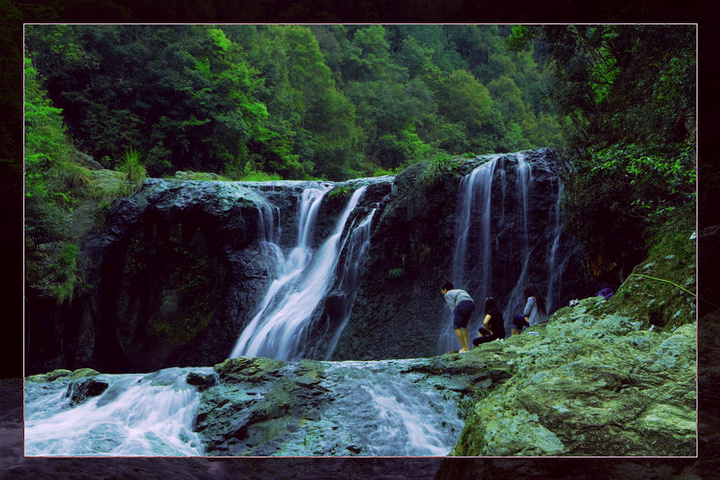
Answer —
493 325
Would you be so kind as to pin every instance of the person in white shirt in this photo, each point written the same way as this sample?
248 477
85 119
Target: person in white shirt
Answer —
534 312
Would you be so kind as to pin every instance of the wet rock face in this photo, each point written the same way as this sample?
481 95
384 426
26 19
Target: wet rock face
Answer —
399 310
163 270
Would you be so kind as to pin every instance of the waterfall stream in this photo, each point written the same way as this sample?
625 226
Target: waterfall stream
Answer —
138 415
374 408
303 279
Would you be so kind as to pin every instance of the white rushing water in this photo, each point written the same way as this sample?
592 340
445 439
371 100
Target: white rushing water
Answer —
303 279
357 248
370 408
516 301
383 412
138 415
555 265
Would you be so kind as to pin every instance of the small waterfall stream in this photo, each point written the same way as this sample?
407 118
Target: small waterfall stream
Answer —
373 408
138 415
303 280
516 301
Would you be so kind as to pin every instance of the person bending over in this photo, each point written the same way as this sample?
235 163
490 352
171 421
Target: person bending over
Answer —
493 325
462 305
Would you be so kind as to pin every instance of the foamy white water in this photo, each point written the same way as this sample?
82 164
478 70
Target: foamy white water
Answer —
279 328
138 415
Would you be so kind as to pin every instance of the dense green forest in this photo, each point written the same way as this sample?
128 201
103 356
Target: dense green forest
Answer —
296 101
340 101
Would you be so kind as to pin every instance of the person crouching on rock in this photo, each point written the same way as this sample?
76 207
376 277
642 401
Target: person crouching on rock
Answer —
493 325
462 305
534 312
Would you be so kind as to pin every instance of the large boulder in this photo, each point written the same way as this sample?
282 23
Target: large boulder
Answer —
590 383
399 311
164 269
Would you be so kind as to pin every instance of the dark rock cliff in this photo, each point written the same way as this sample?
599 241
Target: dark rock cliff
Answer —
399 311
177 271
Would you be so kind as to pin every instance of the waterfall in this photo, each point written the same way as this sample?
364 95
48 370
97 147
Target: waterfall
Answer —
138 415
516 300
279 328
554 269
475 189
357 249
474 206
504 234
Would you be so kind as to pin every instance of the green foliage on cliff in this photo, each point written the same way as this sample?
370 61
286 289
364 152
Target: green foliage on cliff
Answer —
47 169
56 187
629 93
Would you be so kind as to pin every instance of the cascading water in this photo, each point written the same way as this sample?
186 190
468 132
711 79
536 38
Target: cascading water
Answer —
357 248
516 300
554 267
474 209
379 410
279 328
485 231
138 415
375 408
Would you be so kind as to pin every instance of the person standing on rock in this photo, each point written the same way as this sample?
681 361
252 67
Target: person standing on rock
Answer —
493 325
462 305
534 312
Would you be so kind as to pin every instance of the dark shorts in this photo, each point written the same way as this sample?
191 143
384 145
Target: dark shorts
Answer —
519 322
461 315
484 339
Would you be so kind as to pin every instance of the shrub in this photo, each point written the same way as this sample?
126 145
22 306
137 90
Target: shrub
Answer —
132 168
437 168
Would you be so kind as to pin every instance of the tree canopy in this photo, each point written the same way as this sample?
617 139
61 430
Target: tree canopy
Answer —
629 92
340 101
320 101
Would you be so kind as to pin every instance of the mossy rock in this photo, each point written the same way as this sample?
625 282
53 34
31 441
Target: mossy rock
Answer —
661 290
50 376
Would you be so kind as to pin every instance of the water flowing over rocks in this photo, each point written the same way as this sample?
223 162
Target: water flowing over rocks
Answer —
180 267
399 312
264 407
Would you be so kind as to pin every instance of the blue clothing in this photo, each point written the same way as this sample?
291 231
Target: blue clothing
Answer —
461 314
455 297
